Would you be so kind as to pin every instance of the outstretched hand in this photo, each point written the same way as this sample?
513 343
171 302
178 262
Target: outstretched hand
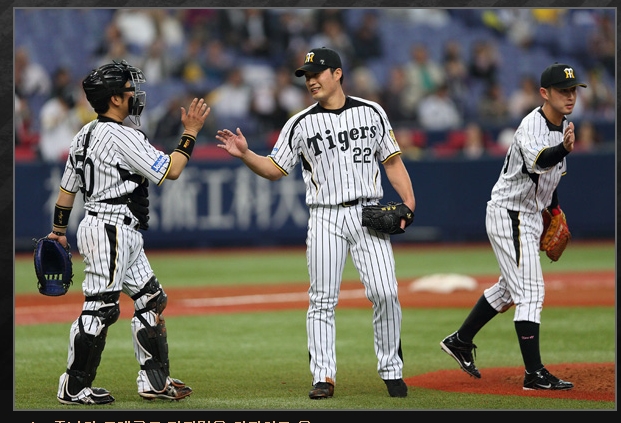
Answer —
194 119
235 144
569 137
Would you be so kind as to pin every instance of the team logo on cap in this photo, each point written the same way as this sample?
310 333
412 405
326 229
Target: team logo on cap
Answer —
569 73
309 57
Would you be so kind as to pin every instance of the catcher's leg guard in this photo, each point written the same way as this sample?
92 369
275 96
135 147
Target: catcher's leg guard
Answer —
150 341
88 339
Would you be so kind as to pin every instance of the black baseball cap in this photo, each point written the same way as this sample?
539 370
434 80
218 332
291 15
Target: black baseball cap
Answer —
560 75
319 59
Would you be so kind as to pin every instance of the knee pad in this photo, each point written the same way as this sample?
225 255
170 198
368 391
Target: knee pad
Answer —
151 298
150 336
88 347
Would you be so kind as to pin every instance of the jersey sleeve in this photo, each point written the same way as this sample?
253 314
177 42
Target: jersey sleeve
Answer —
285 153
388 146
70 180
143 158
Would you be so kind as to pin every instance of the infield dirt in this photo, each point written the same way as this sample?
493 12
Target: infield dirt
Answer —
593 381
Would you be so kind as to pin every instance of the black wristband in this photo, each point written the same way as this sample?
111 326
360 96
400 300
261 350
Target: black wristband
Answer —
59 233
186 145
61 216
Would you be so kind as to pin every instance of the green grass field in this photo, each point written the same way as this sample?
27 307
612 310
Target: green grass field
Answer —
259 361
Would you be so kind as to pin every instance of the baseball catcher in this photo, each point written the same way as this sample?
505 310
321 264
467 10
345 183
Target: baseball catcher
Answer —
53 267
387 218
555 235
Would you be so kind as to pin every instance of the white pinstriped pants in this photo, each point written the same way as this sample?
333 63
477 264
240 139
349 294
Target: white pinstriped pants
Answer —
114 260
333 232
515 240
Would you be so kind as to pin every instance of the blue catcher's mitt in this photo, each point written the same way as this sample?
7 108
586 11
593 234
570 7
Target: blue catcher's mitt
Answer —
53 267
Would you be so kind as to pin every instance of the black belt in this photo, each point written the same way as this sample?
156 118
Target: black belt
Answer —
350 203
126 219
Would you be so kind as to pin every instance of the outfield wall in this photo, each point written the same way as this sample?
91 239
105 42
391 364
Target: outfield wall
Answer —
223 204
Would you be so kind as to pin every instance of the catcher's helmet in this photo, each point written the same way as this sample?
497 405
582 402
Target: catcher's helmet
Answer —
110 79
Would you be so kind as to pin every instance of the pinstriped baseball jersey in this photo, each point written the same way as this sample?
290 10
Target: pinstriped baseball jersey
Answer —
339 150
513 190
115 153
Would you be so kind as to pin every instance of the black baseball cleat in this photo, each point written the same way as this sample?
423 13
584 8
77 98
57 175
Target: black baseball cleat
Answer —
462 352
175 390
396 387
321 390
88 396
544 380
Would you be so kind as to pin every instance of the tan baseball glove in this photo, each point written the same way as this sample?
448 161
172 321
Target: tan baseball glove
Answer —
555 235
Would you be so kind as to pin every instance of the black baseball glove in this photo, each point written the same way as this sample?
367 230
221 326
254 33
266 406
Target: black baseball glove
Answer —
387 218
53 267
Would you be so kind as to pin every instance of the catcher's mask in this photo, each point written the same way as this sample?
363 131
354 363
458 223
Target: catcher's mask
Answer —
110 79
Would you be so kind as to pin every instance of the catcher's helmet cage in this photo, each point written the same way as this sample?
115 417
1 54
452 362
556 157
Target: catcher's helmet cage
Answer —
110 79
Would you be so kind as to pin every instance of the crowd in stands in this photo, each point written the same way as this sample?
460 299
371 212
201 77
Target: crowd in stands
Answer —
445 103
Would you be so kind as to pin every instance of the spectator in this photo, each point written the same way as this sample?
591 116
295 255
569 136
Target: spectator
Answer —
600 100
30 77
273 104
367 40
456 71
423 77
492 108
59 124
411 142
198 23
363 83
475 142
602 43
504 139
394 97
587 138
294 28
256 33
230 24
217 62
469 143
138 28
169 29
189 68
334 36
156 62
231 101
169 126
247 31
61 80
517 25
83 110
484 61
117 50
525 98
438 111
25 135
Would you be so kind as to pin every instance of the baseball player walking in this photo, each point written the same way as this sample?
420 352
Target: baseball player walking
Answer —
339 141
527 184
112 164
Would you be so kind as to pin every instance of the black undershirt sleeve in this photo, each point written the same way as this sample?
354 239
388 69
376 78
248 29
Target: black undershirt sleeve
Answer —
551 156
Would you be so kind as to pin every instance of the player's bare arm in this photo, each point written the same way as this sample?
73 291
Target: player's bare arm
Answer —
237 146
400 180
193 120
